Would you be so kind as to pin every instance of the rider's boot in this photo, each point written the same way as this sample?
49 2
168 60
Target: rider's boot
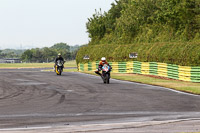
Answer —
97 72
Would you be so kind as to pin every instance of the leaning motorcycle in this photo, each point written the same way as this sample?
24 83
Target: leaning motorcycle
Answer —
59 67
106 73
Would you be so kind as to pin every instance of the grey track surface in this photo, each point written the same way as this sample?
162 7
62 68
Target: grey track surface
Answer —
30 98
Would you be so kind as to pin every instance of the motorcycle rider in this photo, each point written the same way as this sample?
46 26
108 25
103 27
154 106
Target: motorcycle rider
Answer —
101 63
58 58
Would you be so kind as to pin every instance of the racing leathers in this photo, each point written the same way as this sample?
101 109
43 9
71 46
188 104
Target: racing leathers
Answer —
101 63
58 58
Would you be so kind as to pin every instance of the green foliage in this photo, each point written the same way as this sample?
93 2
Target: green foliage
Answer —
74 48
101 24
27 55
10 53
133 21
49 54
185 54
158 30
96 26
60 46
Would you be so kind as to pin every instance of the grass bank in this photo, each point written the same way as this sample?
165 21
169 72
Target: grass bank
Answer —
188 87
177 53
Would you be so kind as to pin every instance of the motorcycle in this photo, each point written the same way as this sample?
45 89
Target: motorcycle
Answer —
106 73
59 67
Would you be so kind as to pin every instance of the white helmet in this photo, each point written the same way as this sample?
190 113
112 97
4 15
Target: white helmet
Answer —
103 58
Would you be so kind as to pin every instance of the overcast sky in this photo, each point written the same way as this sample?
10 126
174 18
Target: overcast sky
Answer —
42 23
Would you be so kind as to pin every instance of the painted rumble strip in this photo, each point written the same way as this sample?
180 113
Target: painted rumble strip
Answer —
184 73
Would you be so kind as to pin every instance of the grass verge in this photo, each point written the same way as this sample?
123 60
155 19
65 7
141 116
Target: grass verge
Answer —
26 65
65 70
70 63
34 65
188 87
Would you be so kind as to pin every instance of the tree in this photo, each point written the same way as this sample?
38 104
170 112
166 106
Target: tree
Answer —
60 46
48 54
27 56
132 21
96 26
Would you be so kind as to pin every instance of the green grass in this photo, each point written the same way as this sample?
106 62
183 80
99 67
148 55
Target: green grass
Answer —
70 70
26 65
35 65
70 63
189 87
174 84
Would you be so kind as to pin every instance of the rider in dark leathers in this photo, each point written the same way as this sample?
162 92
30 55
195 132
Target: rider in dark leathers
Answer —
58 58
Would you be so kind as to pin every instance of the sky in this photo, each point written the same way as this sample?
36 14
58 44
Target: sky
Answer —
42 23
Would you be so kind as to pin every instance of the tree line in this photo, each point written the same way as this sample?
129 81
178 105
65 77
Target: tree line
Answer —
146 21
10 53
48 54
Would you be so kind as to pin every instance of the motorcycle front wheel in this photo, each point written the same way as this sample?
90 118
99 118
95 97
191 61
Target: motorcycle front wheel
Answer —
60 70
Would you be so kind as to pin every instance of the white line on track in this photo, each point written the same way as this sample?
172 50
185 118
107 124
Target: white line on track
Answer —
132 82
98 127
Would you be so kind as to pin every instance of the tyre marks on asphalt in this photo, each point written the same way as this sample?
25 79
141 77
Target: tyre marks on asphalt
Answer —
43 97
46 92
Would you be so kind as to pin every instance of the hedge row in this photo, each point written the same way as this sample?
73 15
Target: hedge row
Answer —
183 53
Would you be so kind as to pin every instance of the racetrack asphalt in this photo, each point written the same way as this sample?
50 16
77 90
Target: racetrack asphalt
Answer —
32 98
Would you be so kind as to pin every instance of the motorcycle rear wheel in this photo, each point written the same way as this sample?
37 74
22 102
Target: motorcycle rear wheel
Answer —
107 79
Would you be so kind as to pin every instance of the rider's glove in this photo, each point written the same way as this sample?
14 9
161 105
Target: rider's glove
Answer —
99 69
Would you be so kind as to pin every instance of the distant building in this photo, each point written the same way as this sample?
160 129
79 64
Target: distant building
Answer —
11 60
2 61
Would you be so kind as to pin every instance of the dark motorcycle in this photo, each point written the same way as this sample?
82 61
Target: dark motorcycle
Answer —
59 67
106 73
